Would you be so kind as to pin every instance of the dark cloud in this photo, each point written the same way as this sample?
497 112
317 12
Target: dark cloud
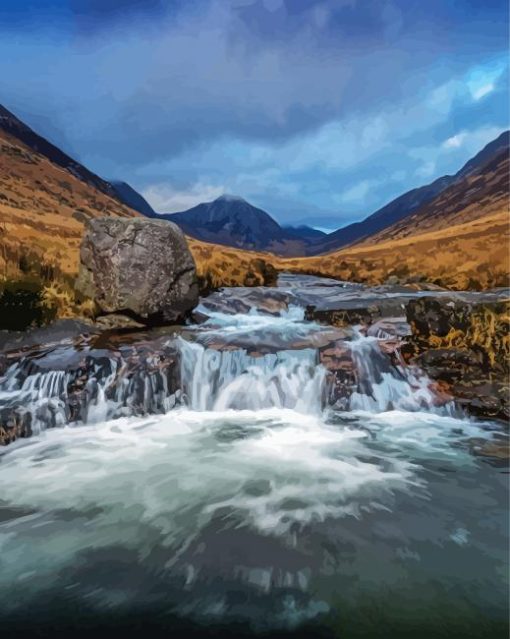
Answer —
132 83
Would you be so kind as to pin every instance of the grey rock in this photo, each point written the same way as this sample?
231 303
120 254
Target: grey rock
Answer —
58 331
389 327
138 267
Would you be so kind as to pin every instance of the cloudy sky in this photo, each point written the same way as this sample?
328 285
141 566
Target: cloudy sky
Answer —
315 110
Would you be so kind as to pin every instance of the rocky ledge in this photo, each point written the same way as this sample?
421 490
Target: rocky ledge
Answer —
460 339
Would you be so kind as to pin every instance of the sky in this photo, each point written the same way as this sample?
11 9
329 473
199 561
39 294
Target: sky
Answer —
318 111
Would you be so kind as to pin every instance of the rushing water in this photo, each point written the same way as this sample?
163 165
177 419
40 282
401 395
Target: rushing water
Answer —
249 505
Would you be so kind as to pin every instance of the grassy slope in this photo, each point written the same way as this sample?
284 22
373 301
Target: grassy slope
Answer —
481 194
42 211
473 254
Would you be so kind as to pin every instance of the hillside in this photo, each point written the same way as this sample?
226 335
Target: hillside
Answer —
45 198
481 191
128 196
232 221
472 255
416 200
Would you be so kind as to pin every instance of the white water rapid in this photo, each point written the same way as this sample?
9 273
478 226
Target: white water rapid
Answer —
212 377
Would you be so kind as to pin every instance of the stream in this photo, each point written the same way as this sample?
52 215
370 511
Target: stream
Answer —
228 480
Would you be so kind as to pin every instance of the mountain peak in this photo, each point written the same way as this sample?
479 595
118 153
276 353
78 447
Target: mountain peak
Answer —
227 197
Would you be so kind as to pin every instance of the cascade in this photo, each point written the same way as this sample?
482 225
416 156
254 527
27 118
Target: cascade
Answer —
383 385
232 379
102 385
102 388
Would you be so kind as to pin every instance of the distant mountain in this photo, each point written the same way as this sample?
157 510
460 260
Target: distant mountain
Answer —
406 204
232 221
127 194
304 232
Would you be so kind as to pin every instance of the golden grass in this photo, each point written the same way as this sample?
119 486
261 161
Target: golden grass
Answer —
471 255
488 331
61 301
222 266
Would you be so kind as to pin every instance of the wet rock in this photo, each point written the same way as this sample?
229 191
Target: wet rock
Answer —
117 321
138 267
64 329
341 381
245 300
463 343
262 342
389 327
67 383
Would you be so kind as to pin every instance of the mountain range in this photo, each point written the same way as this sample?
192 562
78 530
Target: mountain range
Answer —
460 222
419 202
232 221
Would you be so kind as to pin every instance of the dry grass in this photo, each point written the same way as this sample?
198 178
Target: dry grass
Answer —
61 301
488 331
471 255
222 266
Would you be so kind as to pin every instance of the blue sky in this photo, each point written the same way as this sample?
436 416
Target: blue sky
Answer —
316 110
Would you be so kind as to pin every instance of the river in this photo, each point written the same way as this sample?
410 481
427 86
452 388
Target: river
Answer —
249 504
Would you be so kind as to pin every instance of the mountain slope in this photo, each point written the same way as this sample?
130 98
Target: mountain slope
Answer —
471 255
482 190
127 194
45 197
304 232
11 125
232 221
408 203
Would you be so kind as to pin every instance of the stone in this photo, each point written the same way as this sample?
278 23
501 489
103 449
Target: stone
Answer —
139 268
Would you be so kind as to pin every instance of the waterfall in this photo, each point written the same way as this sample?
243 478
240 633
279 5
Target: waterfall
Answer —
232 379
100 388
93 386
385 385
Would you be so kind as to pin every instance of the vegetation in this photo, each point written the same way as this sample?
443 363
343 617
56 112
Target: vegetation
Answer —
487 331
223 266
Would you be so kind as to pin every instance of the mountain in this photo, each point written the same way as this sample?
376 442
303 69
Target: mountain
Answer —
12 126
304 232
45 198
406 204
232 221
481 188
127 194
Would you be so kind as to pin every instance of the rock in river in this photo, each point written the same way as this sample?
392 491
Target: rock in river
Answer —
138 267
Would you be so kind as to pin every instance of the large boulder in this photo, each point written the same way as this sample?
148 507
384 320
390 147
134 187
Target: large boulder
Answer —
138 267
